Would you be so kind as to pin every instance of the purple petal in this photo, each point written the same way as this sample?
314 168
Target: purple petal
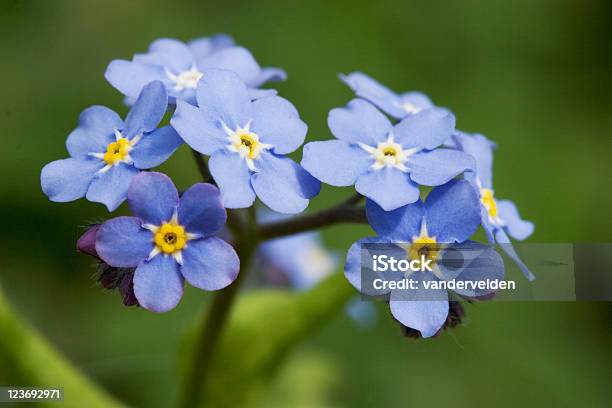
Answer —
158 284
123 243
200 210
153 197
210 263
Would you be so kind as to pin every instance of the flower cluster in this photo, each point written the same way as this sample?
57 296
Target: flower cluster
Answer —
392 147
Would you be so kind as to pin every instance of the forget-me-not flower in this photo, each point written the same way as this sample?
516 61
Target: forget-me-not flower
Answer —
438 229
500 218
169 240
106 152
396 105
180 67
246 141
386 163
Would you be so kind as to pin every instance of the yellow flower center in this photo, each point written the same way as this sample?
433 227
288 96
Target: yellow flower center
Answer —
170 237
486 198
117 151
424 246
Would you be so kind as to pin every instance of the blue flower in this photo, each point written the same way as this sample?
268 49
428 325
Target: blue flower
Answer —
385 162
397 106
247 142
180 66
500 218
169 240
106 153
439 228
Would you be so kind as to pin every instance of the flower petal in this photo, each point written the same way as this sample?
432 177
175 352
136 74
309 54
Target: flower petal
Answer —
236 59
427 129
282 184
373 91
358 270
388 187
158 284
68 179
169 53
200 210
416 100
130 77
335 162
123 243
417 310
223 96
198 128
269 74
359 122
506 245
452 212
96 129
277 122
481 149
517 228
233 177
147 111
201 47
153 197
400 224
255 93
210 263
437 167
155 148
110 188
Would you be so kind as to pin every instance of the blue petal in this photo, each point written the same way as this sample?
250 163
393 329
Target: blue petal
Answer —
517 228
388 187
283 185
370 89
198 128
96 129
169 53
255 94
481 149
277 122
236 59
110 188
123 243
359 122
417 99
223 96
335 162
427 129
356 267
452 212
233 177
155 148
436 167
471 262
147 111
200 209
422 310
506 246
269 74
201 47
400 224
158 284
210 263
153 197
68 179
130 77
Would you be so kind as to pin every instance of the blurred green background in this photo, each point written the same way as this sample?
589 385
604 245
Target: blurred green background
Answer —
532 75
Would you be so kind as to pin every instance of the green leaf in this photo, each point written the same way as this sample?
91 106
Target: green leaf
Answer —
28 360
264 327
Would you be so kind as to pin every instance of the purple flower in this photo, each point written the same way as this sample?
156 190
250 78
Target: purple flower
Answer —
169 240
438 229
398 106
180 66
386 163
247 141
106 152
500 218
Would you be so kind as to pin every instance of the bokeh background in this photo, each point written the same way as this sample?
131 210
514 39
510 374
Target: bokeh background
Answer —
532 75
